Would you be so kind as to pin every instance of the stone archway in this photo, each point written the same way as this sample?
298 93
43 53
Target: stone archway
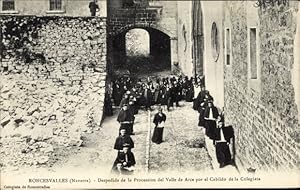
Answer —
159 58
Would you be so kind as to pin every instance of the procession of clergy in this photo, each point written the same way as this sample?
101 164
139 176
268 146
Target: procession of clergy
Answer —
163 93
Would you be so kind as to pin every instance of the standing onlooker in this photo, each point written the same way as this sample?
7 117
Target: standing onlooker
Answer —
93 7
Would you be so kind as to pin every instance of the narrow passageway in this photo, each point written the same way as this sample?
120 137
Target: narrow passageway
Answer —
185 147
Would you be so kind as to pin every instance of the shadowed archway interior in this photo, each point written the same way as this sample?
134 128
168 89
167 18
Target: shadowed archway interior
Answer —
140 50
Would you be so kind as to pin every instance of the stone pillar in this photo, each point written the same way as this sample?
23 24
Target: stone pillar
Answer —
174 54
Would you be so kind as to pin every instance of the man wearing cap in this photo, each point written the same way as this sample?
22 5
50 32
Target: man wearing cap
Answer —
123 139
126 118
125 161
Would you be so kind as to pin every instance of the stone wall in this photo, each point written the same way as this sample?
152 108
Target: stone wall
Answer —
53 72
265 120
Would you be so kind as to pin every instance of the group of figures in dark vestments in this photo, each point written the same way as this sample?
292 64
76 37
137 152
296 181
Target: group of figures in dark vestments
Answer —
212 120
131 96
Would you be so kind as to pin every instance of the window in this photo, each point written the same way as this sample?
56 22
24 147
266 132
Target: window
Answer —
253 54
55 5
8 5
215 44
228 46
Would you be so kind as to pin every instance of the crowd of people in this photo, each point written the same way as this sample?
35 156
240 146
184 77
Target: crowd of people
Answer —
132 95
166 92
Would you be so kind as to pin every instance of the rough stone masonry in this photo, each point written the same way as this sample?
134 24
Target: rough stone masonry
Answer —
265 117
53 72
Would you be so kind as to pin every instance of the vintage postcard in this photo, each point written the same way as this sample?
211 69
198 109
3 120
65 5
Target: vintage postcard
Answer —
113 94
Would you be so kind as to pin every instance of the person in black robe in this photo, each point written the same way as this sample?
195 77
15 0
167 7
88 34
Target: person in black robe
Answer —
125 100
201 96
131 110
157 92
180 88
133 103
117 94
189 92
161 100
126 119
152 90
94 7
223 138
148 97
173 95
168 97
125 161
210 115
123 139
159 120
140 98
184 87
108 111
176 93
201 110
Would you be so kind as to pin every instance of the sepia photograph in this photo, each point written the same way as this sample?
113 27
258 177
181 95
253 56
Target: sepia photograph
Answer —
148 94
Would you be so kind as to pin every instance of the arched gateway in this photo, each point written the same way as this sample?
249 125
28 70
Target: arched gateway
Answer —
162 38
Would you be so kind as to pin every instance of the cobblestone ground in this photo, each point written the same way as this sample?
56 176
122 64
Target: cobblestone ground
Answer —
183 149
